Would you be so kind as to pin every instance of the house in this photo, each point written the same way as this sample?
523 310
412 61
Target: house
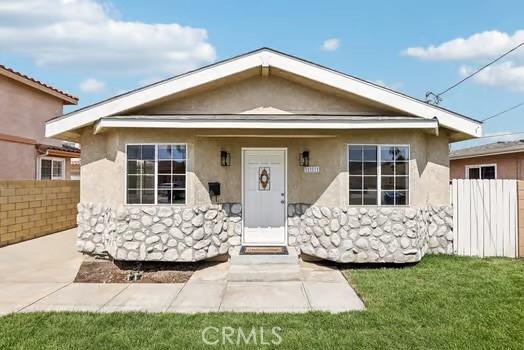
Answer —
499 160
264 149
25 105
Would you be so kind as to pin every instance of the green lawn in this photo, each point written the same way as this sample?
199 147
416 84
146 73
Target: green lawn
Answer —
440 303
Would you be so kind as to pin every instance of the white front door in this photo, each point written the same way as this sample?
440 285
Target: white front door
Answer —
264 184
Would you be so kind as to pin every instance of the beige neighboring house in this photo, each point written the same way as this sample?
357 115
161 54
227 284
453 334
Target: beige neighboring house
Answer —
25 105
264 149
498 160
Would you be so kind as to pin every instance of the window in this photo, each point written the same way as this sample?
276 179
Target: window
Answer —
378 174
51 168
481 172
156 174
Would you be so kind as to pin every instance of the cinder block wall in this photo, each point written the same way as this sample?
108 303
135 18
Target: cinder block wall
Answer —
520 194
31 209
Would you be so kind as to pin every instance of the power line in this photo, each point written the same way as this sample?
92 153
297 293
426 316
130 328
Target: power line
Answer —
504 111
437 97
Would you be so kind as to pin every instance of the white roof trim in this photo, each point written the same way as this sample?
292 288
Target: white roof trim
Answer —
214 123
255 59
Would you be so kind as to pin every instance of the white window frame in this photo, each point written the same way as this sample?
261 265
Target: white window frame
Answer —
156 171
52 159
479 166
379 173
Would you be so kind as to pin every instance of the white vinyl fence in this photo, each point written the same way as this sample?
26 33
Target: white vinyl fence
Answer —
485 217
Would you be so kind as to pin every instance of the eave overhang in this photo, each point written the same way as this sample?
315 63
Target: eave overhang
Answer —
281 121
461 126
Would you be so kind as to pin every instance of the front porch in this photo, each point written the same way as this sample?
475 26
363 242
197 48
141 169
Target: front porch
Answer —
195 194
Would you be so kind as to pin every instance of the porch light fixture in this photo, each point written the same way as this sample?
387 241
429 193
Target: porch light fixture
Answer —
304 158
225 158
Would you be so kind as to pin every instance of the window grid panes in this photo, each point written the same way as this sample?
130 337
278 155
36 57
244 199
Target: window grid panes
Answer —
46 169
378 174
141 174
156 174
171 178
363 175
57 169
51 169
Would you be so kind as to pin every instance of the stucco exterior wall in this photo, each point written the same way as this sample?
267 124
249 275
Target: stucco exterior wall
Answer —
509 166
23 112
19 161
103 163
272 94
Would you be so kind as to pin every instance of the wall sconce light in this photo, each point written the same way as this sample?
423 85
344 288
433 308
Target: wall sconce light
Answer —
304 158
225 158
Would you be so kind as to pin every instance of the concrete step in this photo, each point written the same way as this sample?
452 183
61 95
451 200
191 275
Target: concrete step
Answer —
264 273
264 259
237 259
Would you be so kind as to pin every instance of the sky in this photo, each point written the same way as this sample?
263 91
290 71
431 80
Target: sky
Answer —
95 49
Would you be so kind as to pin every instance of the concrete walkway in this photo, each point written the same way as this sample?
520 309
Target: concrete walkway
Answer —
37 276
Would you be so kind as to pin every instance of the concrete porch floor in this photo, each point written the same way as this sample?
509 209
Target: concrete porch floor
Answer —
38 276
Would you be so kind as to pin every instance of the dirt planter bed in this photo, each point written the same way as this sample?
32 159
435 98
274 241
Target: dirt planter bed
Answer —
108 271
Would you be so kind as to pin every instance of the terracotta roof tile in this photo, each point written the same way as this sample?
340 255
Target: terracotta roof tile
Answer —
38 82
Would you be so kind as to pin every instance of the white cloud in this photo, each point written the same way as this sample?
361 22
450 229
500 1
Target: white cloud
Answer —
506 74
87 35
478 49
488 44
331 44
92 85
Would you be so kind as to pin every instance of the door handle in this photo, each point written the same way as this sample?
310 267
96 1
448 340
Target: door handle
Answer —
282 201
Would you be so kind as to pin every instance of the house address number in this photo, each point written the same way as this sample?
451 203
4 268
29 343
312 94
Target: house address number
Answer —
312 169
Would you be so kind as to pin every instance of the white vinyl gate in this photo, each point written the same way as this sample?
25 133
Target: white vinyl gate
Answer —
485 217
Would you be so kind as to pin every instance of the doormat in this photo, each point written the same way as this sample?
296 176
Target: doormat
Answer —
259 250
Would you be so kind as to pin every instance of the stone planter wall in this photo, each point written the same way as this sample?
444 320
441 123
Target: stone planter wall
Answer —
365 235
156 233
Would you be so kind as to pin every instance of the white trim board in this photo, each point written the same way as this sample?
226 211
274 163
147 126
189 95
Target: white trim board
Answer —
137 122
263 58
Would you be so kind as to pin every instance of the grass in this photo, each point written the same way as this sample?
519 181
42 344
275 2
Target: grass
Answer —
441 303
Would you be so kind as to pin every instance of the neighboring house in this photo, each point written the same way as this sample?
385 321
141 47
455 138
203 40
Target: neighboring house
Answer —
25 105
500 160
264 149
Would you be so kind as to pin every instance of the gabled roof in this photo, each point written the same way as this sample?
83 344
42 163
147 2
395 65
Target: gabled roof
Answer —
263 58
22 78
501 147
